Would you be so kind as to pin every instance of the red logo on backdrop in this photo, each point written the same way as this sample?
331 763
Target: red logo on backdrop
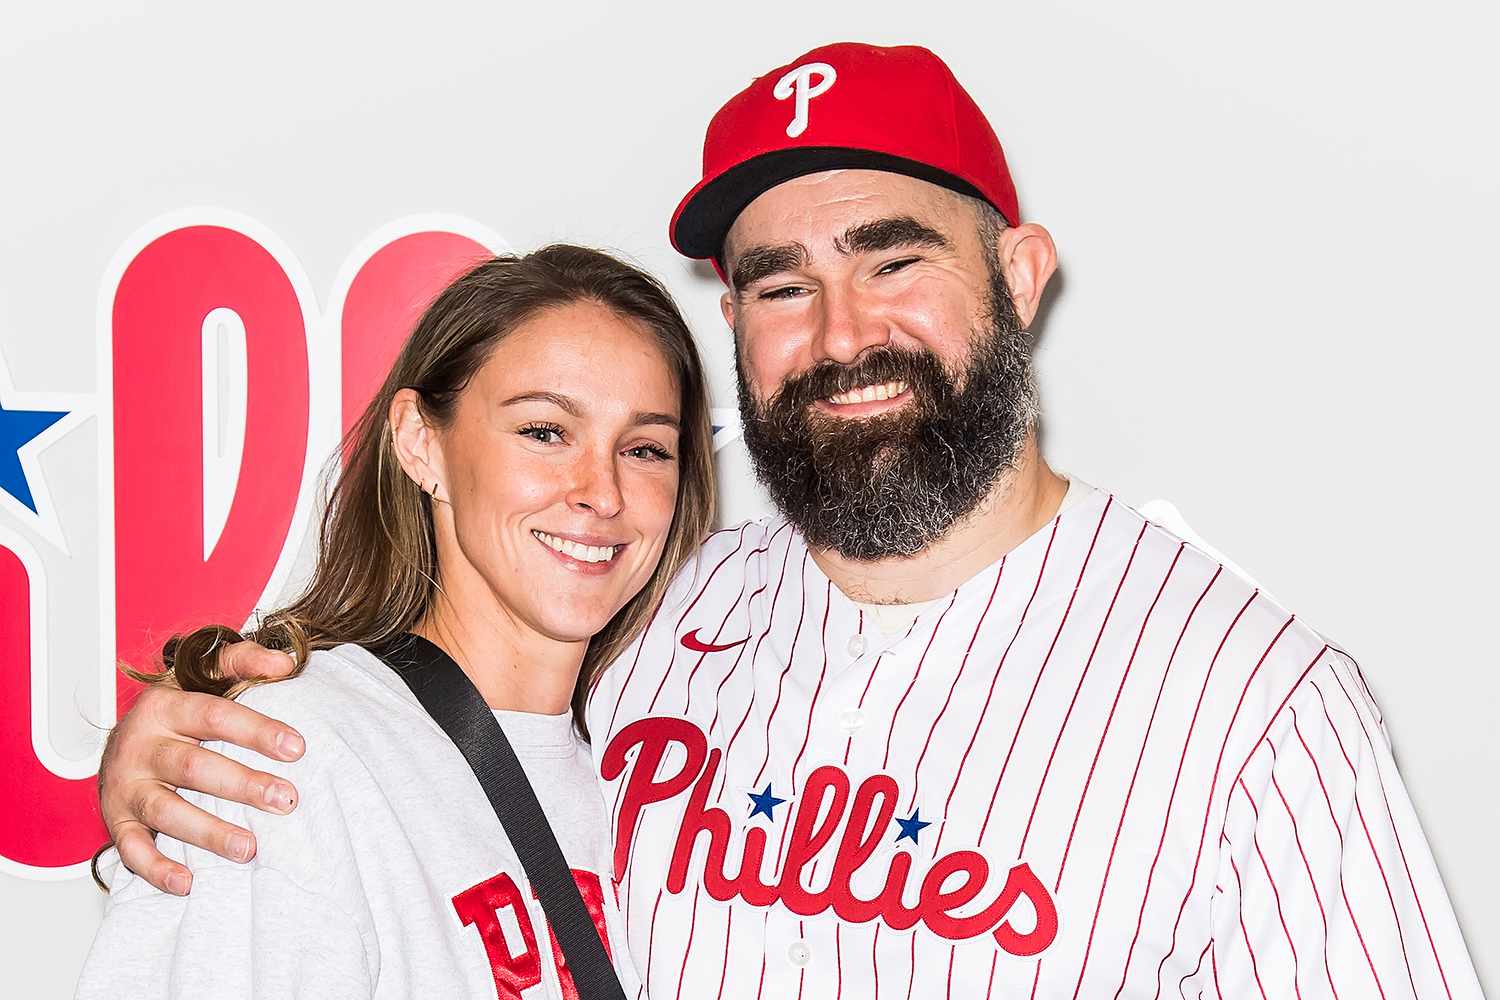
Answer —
223 392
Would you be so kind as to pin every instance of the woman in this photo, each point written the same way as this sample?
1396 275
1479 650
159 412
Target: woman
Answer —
518 494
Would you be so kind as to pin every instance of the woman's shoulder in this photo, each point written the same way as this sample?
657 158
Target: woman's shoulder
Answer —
330 685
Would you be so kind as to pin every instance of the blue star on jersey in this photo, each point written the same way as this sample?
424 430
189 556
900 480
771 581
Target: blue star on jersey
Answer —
764 802
17 428
911 827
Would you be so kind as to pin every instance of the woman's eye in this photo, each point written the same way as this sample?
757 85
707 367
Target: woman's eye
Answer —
650 453
542 433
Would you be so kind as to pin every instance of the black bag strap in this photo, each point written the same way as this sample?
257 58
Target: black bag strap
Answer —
448 695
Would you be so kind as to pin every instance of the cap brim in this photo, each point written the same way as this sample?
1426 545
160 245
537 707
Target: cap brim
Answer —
705 215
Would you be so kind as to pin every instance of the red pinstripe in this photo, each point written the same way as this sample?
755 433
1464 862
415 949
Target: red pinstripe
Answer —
724 974
688 949
1078 688
1369 840
1390 815
631 676
718 633
849 744
917 771
995 680
651 942
640 645
1182 983
1313 882
791 657
1043 669
813 706
1176 783
1140 757
801 976
1275 892
838 958
675 644
886 761
760 986
1349 909
1109 720
1249 948
1214 783
770 620
811 709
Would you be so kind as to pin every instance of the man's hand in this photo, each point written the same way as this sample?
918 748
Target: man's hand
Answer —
154 751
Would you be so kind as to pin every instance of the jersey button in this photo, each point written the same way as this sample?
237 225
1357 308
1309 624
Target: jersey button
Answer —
851 720
799 954
857 646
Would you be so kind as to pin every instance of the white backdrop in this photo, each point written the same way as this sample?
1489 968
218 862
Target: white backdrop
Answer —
1276 221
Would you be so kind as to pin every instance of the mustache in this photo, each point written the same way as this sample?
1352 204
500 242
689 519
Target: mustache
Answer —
921 370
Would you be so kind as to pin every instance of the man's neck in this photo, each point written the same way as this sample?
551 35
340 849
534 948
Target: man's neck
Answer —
1022 501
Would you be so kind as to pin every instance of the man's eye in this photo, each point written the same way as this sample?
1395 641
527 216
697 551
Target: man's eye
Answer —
897 265
784 292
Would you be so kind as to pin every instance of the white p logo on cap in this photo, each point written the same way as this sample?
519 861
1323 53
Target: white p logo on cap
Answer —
799 82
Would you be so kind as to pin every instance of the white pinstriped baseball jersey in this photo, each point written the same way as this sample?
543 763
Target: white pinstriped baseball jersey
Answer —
1103 767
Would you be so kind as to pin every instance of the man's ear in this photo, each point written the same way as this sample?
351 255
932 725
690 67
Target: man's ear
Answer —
726 306
1028 258
415 442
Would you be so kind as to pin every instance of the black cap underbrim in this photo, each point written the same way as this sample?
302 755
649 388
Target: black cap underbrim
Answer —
706 218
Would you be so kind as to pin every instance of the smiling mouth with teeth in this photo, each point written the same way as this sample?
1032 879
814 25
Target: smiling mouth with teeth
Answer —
869 394
576 550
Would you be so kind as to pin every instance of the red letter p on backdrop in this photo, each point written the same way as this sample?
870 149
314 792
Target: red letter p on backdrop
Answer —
194 544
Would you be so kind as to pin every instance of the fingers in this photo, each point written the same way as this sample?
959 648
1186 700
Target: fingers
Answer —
189 715
138 853
251 661
161 808
187 765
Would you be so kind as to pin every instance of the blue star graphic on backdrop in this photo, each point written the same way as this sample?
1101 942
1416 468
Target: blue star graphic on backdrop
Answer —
764 803
17 427
911 827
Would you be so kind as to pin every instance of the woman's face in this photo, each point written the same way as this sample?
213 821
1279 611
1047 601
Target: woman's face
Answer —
560 471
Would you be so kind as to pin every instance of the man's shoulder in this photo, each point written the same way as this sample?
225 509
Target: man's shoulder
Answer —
1249 650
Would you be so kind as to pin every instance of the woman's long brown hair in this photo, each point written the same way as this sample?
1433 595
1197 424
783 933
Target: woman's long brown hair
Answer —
376 573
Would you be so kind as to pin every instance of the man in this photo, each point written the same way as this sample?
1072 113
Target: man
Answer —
952 723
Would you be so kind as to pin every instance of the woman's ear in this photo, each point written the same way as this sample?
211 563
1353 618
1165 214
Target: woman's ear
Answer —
1028 257
416 443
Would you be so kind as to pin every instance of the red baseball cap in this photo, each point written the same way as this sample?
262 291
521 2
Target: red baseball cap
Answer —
847 105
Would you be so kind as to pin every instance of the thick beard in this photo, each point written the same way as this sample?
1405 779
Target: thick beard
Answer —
894 484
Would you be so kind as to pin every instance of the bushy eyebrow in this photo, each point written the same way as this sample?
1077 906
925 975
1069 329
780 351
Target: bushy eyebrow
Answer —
863 237
888 234
764 261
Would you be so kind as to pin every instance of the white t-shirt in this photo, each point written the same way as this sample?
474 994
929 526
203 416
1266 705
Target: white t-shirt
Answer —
392 878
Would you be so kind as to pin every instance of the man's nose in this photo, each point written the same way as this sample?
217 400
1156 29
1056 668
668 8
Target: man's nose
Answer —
847 326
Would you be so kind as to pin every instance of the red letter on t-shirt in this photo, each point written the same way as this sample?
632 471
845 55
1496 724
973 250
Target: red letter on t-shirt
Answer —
480 907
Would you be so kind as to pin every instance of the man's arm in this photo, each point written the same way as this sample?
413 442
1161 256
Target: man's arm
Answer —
154 751
1328 886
